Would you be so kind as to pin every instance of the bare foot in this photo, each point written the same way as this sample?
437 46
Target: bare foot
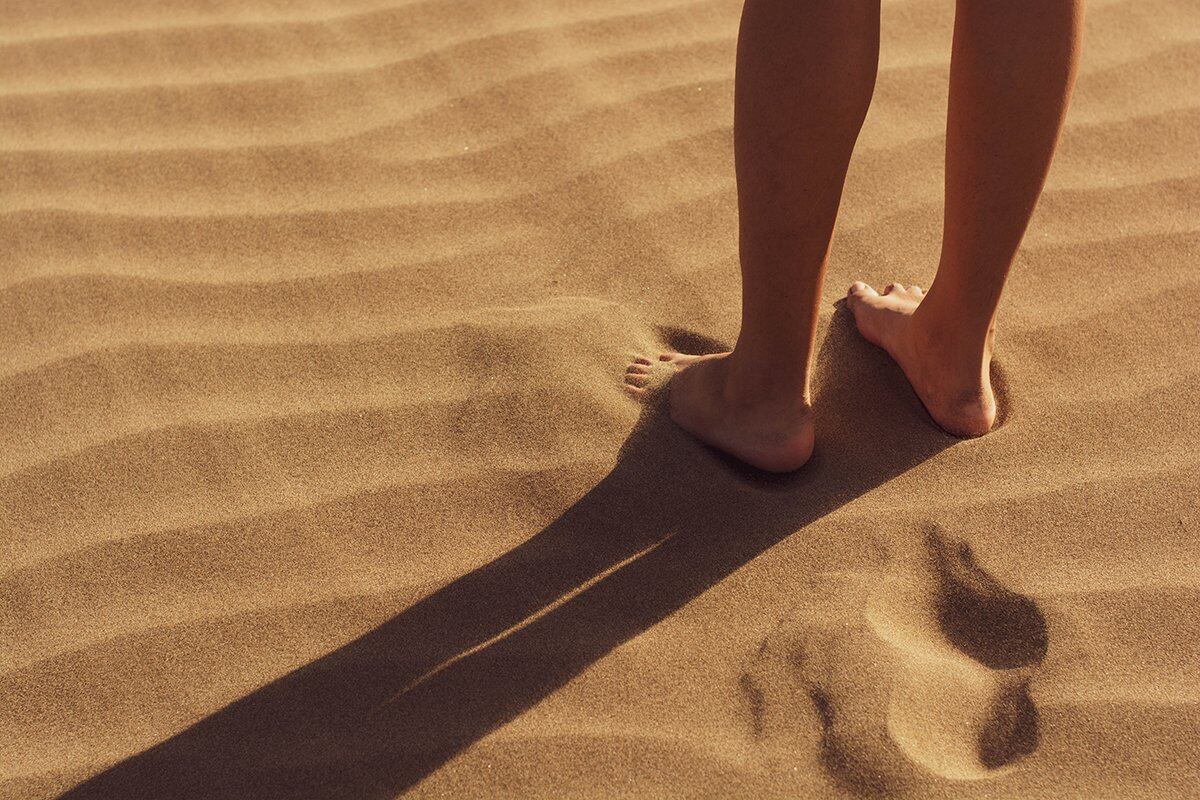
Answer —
768 433
957 393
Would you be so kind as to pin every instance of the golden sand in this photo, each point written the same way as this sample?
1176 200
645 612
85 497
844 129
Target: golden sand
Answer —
316 478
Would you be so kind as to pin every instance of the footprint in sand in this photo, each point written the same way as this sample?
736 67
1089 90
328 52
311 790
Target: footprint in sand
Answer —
931 671
967 647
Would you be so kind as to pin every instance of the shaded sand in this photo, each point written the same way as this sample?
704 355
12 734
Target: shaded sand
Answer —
316 479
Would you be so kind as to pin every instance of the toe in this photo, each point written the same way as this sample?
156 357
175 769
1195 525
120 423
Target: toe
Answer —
893 287
632 379
916 289
635 391
860 289
642 360
637 369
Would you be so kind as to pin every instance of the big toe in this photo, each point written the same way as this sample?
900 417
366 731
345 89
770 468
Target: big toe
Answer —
858 289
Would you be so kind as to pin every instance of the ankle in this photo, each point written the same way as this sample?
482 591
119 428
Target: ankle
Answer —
955 320
755 382
954 350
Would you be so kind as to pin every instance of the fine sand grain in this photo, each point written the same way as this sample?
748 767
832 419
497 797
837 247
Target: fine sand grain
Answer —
317 479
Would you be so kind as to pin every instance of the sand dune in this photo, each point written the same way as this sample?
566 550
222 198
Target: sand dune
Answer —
316 479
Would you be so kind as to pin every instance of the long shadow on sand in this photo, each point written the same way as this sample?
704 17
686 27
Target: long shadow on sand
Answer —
671 520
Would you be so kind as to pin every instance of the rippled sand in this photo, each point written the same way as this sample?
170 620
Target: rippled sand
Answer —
316 478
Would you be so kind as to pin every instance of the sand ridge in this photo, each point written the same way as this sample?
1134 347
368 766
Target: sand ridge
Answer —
316 478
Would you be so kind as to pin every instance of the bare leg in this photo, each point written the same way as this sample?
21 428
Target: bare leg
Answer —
805 74
1011 74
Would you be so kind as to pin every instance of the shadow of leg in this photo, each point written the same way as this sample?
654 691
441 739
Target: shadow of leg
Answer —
670 521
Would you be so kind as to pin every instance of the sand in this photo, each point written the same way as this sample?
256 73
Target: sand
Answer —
316 478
